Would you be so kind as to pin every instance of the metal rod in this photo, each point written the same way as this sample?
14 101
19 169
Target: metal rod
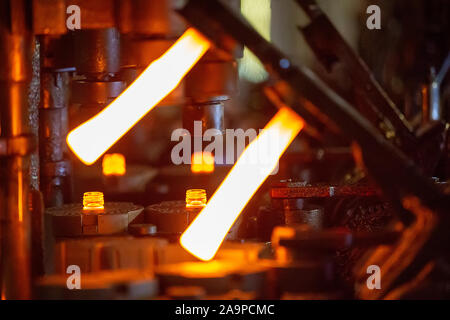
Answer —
53 127
15 74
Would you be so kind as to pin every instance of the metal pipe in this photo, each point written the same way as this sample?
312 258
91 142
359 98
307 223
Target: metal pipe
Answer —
15 74
53 128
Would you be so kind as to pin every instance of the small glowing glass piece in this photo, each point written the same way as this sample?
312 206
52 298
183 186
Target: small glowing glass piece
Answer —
94 137
114 164
202 162
206 233
195 198
93 201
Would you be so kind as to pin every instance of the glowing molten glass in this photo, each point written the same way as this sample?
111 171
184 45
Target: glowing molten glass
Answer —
114 164
202 162
94 137
195 198
207 232
93 201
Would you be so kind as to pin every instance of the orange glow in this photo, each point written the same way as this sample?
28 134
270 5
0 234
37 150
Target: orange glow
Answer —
195 198
93 201
202 162
94 137
114 164
20 196
207 232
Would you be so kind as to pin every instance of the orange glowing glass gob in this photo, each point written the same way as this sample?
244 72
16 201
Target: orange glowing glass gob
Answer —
95 136
202 162
93 201
114 164
206 233
195 198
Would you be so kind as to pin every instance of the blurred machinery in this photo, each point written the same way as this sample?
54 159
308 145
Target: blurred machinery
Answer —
364 184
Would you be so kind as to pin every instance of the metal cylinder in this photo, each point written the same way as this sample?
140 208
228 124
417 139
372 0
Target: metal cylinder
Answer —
210 114
97 62
97 51
208 86
53 128
15 74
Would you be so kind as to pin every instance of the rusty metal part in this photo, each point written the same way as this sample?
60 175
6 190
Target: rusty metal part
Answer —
16 53
57 169
122 284
53 128
288 212
56 182
97 51
33 102
55 94
171 217
361 213
293 189
71 220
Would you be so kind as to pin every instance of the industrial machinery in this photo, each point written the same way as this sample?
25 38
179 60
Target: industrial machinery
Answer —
139 159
